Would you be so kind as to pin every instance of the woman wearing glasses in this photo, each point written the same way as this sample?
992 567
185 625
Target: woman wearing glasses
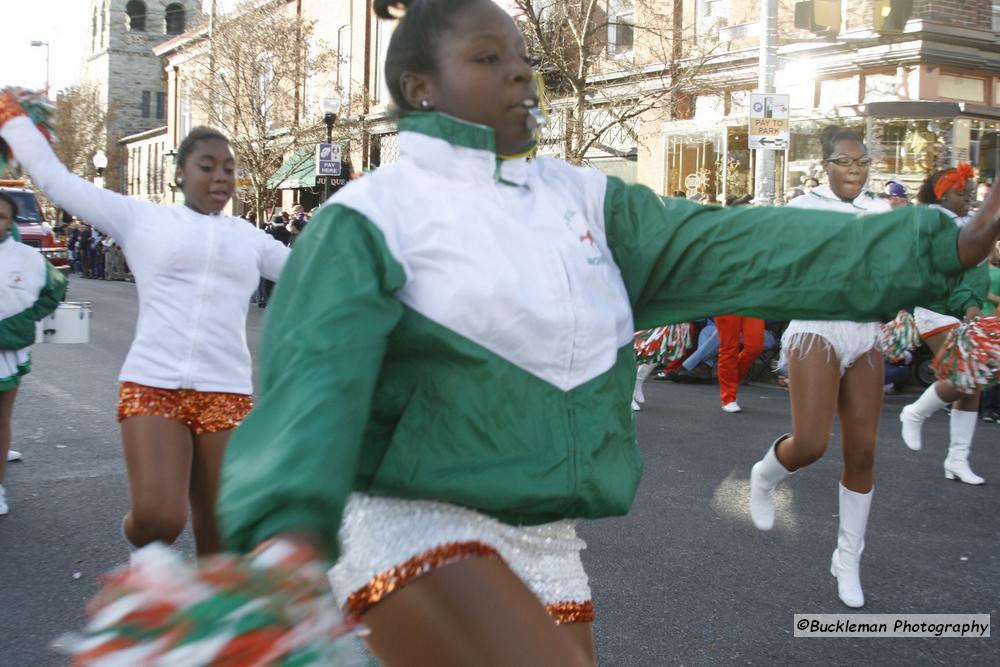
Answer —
834 366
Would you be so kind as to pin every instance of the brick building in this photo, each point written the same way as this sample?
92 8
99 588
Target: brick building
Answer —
119 59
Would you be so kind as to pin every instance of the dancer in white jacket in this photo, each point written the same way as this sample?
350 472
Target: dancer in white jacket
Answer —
30 289
834 367
186 382
950 191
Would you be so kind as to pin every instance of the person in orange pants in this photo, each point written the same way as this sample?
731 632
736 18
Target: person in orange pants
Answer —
734 364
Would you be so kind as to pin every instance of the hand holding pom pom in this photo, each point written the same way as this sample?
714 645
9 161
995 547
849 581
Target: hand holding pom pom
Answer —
16 102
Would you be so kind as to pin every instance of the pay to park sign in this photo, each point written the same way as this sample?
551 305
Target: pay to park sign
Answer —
769 121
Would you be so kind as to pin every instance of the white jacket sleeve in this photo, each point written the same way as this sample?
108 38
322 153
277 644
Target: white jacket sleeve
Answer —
108 211
273 255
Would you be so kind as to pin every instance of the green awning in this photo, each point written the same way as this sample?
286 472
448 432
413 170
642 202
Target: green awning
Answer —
298 171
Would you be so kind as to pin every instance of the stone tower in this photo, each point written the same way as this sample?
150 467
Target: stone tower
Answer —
119 57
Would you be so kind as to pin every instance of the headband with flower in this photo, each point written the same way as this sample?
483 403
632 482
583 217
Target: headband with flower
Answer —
957 178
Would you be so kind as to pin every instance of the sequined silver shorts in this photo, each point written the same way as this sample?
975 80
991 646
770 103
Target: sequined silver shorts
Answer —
387 542
848 340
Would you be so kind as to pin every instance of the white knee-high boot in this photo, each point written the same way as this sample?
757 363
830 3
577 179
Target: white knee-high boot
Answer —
764 477
963 426
915 414
846 562
641 373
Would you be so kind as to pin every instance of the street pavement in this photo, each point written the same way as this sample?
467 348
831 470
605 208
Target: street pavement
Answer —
684 579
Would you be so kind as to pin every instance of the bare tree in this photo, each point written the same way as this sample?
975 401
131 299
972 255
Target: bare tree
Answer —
250 78
608 63
81 126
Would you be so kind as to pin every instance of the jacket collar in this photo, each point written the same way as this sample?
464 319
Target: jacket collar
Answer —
863 200
458 150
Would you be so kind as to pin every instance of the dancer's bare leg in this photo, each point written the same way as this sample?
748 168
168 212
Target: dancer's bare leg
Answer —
472 612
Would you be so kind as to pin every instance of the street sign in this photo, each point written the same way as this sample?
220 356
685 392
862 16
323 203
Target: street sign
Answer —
243 183
328 160
769 121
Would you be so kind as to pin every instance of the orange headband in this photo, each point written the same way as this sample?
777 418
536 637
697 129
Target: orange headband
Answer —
956 178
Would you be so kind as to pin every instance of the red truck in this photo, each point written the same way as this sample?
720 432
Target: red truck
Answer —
31 224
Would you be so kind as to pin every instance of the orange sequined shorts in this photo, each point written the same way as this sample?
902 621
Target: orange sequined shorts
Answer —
389 542
200 411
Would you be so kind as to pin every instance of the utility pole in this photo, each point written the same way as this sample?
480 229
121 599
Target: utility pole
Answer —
764 164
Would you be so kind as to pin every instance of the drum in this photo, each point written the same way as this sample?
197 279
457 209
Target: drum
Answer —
69 323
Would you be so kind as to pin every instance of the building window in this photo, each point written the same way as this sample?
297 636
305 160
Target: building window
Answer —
161 106
382 34
711 15
621 30
135 16
104 18
93 31
174 18
344 61
996 16
146 97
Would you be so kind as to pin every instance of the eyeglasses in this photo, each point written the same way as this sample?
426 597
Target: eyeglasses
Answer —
847 161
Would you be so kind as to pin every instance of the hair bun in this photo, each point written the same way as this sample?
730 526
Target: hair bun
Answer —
827 134
392 9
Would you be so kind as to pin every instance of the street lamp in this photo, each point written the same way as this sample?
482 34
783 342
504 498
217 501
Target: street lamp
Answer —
100 164
36 42
329 105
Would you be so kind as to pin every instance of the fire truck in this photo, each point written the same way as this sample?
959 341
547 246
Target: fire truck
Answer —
31 224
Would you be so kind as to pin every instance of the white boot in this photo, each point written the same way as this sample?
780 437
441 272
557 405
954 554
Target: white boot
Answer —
764 477
963 426
641 373
846 562
915 414
635 406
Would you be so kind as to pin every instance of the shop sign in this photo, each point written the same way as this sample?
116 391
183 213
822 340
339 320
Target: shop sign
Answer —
962 130
243 183
769 122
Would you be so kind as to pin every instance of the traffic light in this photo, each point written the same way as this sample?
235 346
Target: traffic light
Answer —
890 16
819 16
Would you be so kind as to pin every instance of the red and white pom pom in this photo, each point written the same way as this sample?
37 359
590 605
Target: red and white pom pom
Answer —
970 358
270 608
662 344
899 336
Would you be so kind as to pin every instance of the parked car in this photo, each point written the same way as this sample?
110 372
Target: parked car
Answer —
32 226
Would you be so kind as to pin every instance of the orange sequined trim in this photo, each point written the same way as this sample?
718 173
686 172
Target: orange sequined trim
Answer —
571 612
393 579
384 583
9 108
200 411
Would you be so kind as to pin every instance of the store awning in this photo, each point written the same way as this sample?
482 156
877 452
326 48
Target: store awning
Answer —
298 171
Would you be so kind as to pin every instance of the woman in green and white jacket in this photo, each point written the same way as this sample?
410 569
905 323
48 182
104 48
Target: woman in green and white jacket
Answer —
30 289
448 365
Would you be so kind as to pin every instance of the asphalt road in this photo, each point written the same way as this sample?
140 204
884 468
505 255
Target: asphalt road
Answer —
684 579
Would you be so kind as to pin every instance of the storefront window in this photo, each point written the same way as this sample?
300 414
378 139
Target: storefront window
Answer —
911 147
692 164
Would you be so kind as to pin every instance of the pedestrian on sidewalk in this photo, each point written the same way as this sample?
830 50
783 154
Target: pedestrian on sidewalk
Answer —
949 191
186 382
735 361
437 415
30 289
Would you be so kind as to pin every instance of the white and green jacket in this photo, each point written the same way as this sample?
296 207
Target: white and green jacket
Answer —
30 289
459 327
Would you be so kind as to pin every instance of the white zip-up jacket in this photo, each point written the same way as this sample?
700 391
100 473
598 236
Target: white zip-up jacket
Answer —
194 274
821 198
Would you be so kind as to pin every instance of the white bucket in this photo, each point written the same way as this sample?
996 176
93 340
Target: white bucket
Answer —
69 323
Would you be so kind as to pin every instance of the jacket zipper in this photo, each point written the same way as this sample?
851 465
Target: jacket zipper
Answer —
201 302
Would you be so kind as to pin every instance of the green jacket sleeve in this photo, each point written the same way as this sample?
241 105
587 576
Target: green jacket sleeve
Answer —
18 331
972 290
291 464
682 261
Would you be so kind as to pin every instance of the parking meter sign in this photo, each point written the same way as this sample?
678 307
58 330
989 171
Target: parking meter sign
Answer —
328 160
769 121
